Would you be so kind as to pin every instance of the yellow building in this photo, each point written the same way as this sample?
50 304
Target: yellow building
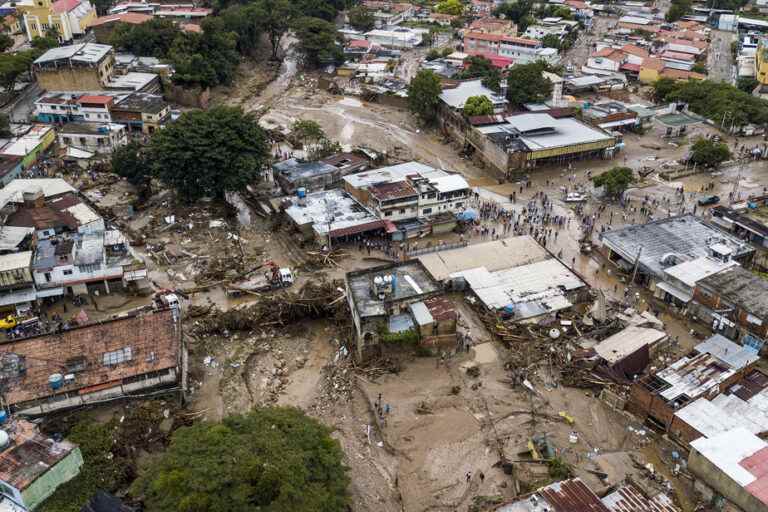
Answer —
77 67
69 18
761 61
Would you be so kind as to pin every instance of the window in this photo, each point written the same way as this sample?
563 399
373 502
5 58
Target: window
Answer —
47 277
118 356
88 268
402 211
82 141
76 364
427 211
67 140
67 272
387 214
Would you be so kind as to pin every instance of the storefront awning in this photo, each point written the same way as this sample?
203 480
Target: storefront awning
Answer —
50 292
675 292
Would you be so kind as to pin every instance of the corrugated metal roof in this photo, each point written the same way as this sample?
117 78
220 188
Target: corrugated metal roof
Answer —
15 261
628 498
421 313
626 342
572 496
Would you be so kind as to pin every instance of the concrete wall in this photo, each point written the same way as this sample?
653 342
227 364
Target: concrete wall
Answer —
722 483
66 469
69 79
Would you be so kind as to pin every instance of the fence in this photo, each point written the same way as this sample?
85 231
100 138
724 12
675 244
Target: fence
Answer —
436 248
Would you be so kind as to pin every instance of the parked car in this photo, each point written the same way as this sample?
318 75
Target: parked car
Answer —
708 200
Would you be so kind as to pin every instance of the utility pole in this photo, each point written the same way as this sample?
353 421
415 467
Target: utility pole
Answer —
637 264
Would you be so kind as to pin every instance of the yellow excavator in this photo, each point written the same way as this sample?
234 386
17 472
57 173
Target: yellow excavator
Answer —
8 322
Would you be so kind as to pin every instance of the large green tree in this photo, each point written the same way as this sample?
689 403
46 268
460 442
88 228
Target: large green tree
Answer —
246 22
269 460
317 42
361 18
205 59
709 153
424 95
152 38
481 67
526 84
208 153
721 102
130 162
615 181
275 17
478 106
6 42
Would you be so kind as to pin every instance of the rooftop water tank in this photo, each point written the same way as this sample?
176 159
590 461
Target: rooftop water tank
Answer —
5 439
56 381
301 192
3 416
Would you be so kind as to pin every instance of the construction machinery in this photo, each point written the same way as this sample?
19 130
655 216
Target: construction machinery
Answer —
272 278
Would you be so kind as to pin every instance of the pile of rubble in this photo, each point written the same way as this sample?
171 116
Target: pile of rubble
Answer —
321 299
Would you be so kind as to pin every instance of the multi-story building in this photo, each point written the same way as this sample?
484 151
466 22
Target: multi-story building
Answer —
141 112
96 137
78 67
17 287
408 191
70 18
521 50
761 61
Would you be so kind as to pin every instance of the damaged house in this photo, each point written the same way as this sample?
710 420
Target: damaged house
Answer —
91 364
393 299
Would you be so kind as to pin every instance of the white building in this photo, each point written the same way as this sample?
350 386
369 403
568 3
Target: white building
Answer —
100 138
400 38
409 191
66 265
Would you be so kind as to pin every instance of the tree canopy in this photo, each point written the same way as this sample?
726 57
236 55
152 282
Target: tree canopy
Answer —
709 153
478 106
452 7
615 181
361 18
207 153
551 41
269 460
526 84
424 95
715 101
317 42
130 162
6 42
678 9
152 38
481 67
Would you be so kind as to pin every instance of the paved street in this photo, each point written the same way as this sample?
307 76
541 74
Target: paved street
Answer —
720 60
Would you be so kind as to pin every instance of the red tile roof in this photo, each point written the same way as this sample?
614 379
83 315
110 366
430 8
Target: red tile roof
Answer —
501 37
652 63
152 338
679 74
61 6
95 100
635 50
134 18
757 464
677 56
635 68
360 228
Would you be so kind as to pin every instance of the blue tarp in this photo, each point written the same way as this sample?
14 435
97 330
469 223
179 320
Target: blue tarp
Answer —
467 215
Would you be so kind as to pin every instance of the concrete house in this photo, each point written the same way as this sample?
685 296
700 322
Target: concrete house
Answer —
78 67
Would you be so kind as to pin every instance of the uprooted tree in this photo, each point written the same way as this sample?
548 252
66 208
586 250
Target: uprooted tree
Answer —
208 153
272 459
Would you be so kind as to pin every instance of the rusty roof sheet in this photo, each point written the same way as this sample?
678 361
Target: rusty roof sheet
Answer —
151 339
440 308
572 496
30 454
629 498
392 190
